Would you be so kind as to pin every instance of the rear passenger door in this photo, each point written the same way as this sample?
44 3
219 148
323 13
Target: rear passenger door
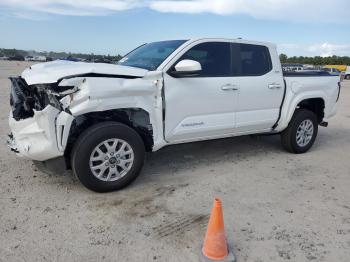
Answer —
261 86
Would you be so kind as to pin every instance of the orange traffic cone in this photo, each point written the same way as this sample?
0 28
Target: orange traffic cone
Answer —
215 244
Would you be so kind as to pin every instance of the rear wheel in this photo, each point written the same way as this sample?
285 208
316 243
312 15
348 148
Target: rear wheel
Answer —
108 156
301 132
347 77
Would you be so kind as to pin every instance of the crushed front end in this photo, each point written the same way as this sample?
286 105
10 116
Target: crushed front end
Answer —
36 121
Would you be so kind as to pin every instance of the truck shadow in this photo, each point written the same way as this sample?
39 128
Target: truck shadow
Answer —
176 159
182 157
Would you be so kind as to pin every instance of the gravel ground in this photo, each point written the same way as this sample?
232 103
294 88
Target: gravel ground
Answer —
277 206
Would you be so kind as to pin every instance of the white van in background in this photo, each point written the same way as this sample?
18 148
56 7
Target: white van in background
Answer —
35 58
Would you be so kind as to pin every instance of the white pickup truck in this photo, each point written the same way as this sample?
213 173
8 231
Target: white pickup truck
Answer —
101 118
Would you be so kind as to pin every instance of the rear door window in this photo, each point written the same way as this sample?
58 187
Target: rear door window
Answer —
250 60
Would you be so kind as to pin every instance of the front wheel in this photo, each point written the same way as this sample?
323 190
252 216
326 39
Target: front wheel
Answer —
108 156
301 132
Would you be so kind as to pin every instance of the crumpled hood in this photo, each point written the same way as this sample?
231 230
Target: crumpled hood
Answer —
51 72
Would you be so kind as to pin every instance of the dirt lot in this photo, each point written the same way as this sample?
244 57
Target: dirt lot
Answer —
277 206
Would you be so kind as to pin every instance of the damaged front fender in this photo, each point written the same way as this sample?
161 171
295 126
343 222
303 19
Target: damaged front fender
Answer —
105 94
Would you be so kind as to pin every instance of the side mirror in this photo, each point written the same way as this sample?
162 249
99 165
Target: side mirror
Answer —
186 68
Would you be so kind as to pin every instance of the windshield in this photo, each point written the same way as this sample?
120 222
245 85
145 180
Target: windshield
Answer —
150 56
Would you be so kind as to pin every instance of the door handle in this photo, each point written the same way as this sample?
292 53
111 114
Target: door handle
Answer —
229 87
274 86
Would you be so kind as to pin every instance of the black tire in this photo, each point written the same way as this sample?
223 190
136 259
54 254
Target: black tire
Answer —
289 135
90 139
347 77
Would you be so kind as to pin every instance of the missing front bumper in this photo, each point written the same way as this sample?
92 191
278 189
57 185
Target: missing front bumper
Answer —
35 137
41 137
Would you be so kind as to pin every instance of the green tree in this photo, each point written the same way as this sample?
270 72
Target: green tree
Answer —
283 58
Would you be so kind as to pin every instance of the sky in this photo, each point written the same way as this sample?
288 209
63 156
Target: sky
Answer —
298 27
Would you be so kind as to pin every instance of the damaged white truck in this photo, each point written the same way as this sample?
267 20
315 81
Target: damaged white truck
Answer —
100 119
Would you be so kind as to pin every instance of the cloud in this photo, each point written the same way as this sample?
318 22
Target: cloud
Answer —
327 49
334 11
73 7
323 49
295 10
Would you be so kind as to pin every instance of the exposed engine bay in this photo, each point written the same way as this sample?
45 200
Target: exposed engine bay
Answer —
24 99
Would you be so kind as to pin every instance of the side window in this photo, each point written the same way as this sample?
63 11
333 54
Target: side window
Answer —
214 58
250 60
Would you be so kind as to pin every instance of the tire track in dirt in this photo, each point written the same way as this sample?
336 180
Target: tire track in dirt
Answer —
180 225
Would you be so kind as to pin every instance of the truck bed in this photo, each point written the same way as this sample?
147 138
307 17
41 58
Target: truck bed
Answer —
313 84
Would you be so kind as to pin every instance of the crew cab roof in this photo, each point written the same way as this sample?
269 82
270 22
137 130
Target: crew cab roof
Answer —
237 40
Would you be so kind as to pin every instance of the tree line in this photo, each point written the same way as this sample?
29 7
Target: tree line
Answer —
316 60
56 55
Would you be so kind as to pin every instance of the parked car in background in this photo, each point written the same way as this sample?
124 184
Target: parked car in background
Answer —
36 58
70 58
100 119
16 58
102 60
332 71
292 67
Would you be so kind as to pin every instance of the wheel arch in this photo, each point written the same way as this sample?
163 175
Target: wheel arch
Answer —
313 101
136 118
315 105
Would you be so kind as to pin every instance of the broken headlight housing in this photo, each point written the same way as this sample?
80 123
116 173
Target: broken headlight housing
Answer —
24 99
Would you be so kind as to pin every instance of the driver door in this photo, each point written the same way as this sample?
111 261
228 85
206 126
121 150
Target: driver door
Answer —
201 106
